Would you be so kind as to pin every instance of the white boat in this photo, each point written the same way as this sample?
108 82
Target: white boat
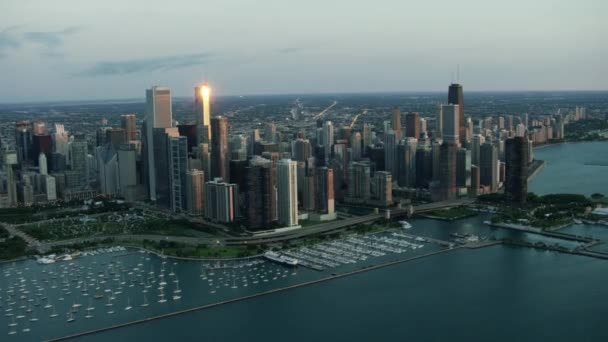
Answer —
129 307
405 224
281 259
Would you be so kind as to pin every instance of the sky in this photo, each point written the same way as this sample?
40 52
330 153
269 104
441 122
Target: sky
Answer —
113 49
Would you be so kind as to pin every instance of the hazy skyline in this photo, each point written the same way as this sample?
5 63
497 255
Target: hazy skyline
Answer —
116 49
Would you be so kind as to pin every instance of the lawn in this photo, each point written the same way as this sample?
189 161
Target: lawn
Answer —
450 214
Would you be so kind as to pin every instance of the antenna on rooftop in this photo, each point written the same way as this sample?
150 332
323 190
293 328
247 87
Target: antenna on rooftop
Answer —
458 73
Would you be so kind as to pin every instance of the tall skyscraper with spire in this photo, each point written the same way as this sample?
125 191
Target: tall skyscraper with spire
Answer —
455 96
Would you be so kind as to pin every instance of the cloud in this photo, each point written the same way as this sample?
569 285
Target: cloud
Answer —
9 40
50 39
289 50
12 39
107 68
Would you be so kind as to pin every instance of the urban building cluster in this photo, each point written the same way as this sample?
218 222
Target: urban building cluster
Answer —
270 178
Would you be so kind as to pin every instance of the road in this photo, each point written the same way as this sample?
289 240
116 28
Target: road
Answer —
325 111
12 230
323 228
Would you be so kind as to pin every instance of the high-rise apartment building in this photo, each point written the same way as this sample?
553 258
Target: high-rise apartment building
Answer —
195 190
178 166
221 201
220 153
287 188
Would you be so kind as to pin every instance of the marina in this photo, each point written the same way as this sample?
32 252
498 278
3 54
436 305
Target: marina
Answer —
107 286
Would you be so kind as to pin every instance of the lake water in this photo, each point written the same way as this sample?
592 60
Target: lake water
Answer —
580 168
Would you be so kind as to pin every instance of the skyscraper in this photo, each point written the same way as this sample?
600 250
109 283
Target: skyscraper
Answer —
367 137
128 124
158 107
355 146
287 188
455 96
447 172
325 192
190 132
270 132
412 125
390 151
382 188
327 139
476 143
78 159
127 172
42 164
405 163
463 168
195 181
396 122
488 173
107 167
261 194
359 181
158 115
202 109
178 165
220 153
220 201
424 166
450 129
60 140
516 173
302 150
474 190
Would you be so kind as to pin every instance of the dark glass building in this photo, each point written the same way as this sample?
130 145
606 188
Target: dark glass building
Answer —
455 96
516 173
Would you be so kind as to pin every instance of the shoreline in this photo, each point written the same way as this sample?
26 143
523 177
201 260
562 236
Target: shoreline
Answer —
252 296
566 142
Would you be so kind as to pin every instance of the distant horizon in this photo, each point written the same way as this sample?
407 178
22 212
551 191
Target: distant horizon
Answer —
391 92
68 51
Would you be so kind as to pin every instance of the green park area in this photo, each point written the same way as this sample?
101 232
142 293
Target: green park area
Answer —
546 212
11 247
202 250
450 214
36 213
106 225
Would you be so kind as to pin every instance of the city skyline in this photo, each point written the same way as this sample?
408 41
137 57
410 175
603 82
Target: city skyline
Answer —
538 52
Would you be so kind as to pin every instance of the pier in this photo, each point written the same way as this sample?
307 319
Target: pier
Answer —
539 231
244 298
